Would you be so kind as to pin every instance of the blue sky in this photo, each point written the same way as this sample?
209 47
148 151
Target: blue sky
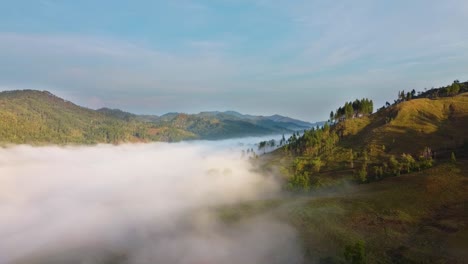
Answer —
298 58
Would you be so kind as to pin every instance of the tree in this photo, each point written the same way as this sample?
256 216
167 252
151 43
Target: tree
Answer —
378 172
349 111
454 88
351 159
362 173
317 164
394 165
332 116
453 158
401 96
272 143
262 145
408 162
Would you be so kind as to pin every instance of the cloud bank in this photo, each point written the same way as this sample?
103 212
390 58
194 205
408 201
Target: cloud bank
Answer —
145 203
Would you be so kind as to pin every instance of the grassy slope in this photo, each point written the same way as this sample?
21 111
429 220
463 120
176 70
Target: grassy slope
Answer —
414 218
438 123
409 127
420 217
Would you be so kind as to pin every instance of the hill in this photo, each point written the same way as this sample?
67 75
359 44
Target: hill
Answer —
217 125
387 187
398 139
39 117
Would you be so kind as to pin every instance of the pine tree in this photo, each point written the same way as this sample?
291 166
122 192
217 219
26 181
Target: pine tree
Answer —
453 158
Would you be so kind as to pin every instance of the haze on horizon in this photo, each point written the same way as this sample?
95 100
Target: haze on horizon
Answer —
300 58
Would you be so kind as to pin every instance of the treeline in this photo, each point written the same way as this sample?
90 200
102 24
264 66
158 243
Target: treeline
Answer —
445 91
450 90
353 109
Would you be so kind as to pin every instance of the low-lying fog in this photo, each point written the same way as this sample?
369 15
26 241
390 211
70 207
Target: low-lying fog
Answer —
142 203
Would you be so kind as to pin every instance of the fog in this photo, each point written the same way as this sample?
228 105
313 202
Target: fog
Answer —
136 203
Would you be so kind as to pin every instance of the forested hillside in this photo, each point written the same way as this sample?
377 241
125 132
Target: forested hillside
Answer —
39 117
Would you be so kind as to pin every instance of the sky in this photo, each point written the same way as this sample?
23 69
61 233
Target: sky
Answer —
299 58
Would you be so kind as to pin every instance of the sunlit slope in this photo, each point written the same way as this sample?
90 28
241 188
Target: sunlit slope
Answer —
40 117
402 215
410 126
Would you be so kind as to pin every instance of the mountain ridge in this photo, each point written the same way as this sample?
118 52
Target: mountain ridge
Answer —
40 117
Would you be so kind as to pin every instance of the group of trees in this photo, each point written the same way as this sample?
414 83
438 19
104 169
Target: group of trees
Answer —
393 166
451 90
353 109
311 145
267 144
402 96
454 88
313 142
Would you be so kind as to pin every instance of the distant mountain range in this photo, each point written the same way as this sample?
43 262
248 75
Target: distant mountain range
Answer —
39 117
218 125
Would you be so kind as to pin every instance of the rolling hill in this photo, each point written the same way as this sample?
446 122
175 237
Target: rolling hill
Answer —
36 117
39 117
218 125
389 187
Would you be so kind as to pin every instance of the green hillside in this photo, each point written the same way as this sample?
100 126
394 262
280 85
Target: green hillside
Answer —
387 187
37 117
396 140
214 127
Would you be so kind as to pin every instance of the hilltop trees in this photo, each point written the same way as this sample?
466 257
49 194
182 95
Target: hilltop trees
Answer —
354 109
454 88
451 90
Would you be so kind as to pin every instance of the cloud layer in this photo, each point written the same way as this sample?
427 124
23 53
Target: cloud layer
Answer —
148 203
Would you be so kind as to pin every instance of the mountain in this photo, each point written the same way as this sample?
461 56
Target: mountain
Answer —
216 125
287 121
39 117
